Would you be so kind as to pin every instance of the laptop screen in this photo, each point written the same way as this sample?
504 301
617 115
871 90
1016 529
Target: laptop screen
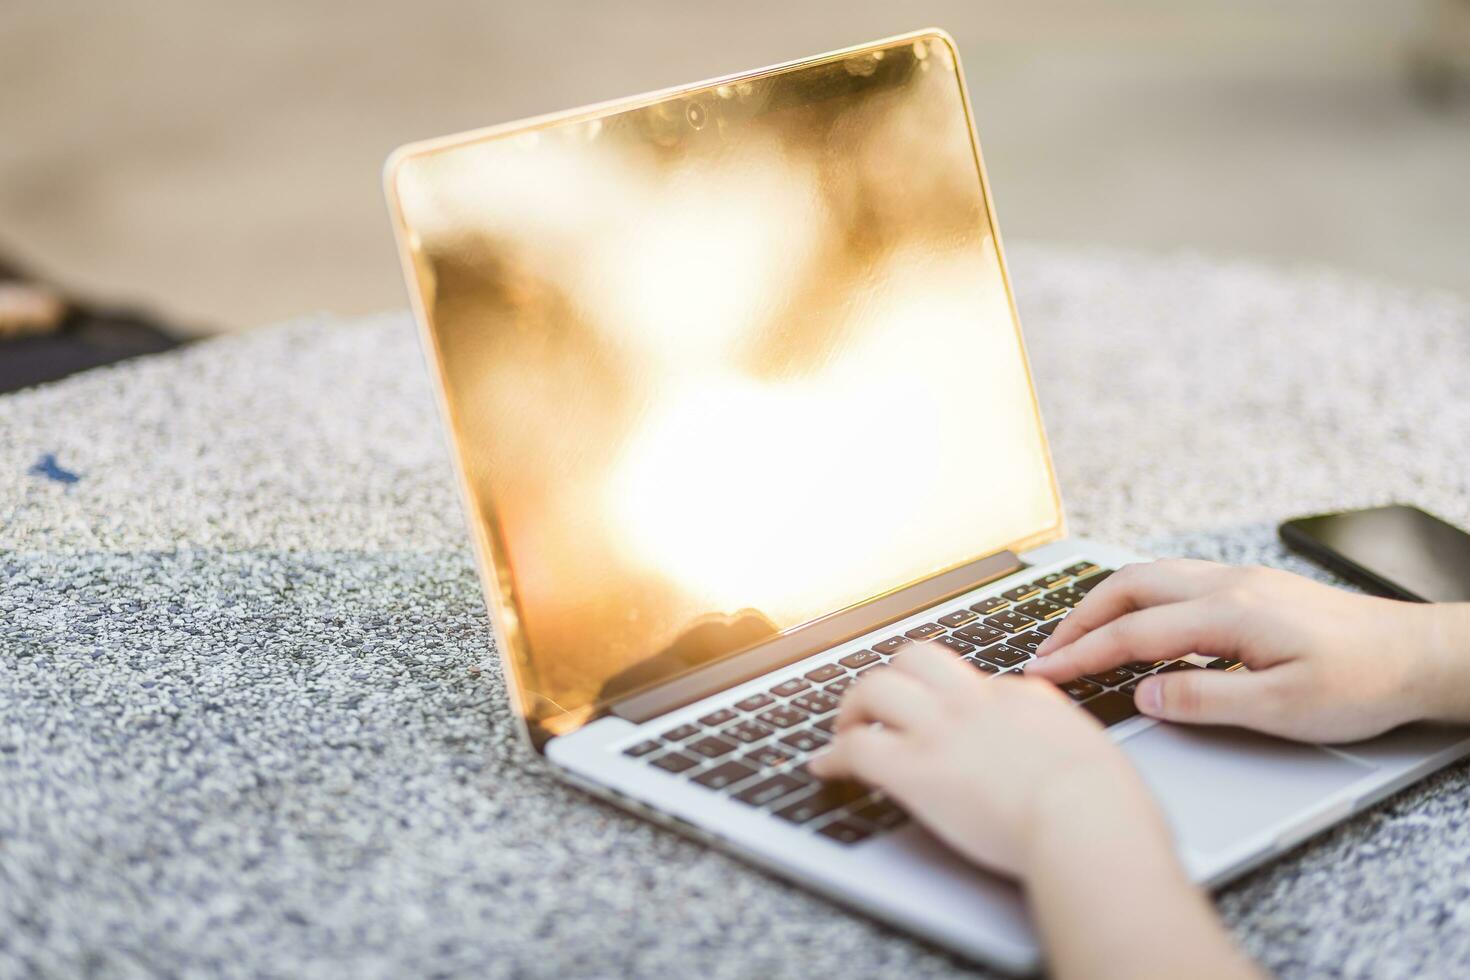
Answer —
723 362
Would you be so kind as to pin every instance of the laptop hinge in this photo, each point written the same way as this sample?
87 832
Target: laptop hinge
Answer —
814 637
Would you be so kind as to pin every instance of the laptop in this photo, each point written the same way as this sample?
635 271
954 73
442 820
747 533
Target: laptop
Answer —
740 407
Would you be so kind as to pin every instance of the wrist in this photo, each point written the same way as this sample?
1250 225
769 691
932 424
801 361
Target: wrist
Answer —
1444 692
1099 859
1104 800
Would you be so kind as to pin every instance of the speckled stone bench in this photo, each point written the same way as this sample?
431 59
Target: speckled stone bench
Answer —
252 722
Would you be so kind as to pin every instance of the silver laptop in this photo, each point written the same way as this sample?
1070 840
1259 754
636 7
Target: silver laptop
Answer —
741 408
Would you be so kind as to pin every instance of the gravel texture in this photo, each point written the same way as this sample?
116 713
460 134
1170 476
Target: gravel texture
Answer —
252 721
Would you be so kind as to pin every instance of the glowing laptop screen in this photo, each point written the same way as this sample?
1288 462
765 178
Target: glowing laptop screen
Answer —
721 363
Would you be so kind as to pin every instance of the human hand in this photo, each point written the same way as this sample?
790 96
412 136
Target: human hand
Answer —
1324 665
1015 777
993 766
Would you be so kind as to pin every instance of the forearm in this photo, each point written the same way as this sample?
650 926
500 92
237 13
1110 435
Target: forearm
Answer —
1109 896
1445 693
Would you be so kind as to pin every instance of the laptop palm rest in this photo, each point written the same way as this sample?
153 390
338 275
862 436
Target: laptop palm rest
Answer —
1219 786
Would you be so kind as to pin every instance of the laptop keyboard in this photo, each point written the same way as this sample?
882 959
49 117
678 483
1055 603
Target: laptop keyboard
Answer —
755 749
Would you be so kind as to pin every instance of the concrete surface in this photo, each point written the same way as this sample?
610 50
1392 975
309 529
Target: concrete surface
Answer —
252 723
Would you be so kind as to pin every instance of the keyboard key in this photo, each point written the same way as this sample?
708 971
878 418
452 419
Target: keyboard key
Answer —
955 644
816 702
711 746
681 733
1002 656
1067 596
846 831
1020 592
1111 678
860 658
1048 628
1010 621
883 814
783 716
642 748
755 702
768 791
1041 609
1111 707
675 762
787 688
824 673
804 741
1178 665
1222 663
928 631
768 755
1051 580
826 798
838 686
827 724
987 606
1130 688
1080 690
980 635
727 774
1027 641
981 665
1081 568
748 731
717 718
1091 582
890 645
957 618
1143 667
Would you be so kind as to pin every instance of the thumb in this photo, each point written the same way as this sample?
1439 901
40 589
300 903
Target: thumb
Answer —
1206 697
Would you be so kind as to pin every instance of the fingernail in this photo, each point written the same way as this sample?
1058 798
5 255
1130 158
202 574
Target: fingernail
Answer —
1045 646
1150 696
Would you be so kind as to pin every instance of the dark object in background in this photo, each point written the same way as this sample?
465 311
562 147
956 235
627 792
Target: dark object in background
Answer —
45 335
1439 61
1397 551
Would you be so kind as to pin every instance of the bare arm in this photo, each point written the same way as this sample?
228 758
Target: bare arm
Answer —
1090 890
1448 664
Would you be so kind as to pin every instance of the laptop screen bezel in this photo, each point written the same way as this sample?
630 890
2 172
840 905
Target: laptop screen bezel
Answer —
488 546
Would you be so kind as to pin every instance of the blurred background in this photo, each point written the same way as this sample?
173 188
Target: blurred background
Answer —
219 165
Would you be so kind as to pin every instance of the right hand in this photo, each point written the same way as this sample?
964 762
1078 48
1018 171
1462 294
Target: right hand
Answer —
995 767
1324 665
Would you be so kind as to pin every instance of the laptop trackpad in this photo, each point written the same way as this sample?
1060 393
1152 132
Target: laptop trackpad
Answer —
1219 786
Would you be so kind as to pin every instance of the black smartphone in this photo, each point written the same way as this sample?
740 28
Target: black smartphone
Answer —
1396 551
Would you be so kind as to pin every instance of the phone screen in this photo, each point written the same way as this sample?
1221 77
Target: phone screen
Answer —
1399 550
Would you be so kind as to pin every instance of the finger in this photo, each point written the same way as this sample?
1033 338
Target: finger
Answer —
939 670
1211 697
1155 633
888 698
875 756
1135 587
